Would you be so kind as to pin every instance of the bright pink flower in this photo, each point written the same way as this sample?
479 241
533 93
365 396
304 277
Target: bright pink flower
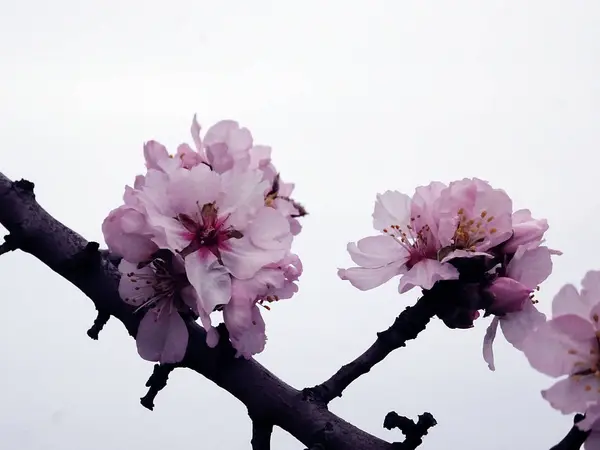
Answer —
473 217
568 345
158 290
409 245
513 293
526 231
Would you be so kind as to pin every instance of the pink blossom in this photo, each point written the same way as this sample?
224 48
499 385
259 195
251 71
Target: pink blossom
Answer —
473 217
591 423
526 231
568 345
219 224
155 288
127 234
512 299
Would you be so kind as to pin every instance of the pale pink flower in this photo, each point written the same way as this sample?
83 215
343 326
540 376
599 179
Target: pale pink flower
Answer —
161 293
408 246
568 345
526 231
219 224
473 217
126 230
513 302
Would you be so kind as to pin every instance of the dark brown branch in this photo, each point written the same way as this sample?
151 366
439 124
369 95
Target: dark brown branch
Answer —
101 320
413 432
156 382
407 326
58 247
574 438
10 244
261 435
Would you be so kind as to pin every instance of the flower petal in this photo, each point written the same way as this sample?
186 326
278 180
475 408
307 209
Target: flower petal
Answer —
573 394
391 208
162 337
517 325
568 301
366 279
425 273
377 251
211 280
532 268
488 342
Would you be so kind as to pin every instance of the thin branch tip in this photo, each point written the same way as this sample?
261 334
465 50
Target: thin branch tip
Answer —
25 186
261 434
101 319
156 382
413 431
11 243
407 326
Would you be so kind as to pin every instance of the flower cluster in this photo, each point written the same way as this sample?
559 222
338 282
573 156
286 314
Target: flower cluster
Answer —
463 234
568 345
208 228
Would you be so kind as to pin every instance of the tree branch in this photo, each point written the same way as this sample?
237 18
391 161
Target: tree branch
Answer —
262 392
261 435
407 326
574 438
413 432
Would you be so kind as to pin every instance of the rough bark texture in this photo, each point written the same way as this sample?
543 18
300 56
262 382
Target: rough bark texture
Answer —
267 398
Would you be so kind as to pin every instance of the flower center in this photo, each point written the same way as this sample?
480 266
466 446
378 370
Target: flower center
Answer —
587 368
206 231
160 280
418 241
471 232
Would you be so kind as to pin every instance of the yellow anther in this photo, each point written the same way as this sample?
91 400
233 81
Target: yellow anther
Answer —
572 351
493 230
588 387
483 214
489 219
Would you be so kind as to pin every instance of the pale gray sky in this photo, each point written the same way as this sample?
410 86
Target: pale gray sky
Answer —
355 98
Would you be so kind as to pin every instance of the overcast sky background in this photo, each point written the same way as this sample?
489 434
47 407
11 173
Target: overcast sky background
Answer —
355 97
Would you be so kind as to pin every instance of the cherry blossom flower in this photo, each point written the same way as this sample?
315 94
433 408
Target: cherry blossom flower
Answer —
423 234
527 231
160 290
568 344
512 299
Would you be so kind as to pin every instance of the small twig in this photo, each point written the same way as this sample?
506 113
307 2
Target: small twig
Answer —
261 435
156 382
574 438
96 328
10 244
407 326
413 432
25 185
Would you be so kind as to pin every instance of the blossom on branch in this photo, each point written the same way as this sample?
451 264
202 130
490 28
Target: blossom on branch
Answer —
568 345
222 212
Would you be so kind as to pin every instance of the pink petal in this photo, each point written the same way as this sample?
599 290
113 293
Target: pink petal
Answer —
516 326
162 337
464 254
391 208
133 292
488 342
591 420
554 353
568 301
593 441
573 395
377 251
509 296
195 130
210 279
270 230
425 273
132 246
365 279
246 329
242 196
532 268
189 190
154 152
590 285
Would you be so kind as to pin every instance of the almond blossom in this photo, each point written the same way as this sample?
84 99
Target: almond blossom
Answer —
423 234
160 290
568 345
512 299
221 211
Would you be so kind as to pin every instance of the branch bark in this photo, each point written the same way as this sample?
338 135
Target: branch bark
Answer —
261 435
574 438
68 254
407 326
